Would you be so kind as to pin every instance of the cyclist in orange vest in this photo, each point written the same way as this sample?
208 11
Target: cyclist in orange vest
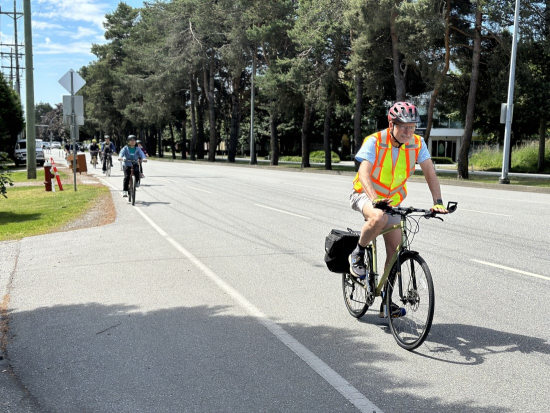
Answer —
388 159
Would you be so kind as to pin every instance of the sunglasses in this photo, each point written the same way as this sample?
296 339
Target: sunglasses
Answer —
407 128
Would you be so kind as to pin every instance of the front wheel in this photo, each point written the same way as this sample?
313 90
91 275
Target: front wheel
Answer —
410 287
355 296
133 190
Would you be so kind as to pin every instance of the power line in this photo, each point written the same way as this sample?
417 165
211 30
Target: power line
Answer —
14 15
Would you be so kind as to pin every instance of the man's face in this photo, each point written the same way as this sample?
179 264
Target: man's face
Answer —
403 132
132 143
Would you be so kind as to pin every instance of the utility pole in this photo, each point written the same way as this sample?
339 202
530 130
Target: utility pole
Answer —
253 159
29 106
17 79
510 101
15 15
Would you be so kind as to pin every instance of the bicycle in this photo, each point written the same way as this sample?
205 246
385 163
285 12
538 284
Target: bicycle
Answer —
94 158
406 281
132 183
108 163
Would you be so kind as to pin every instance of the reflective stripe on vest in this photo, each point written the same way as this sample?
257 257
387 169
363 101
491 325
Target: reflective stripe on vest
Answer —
389 180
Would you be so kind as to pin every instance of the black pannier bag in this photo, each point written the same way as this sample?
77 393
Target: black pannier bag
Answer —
338 246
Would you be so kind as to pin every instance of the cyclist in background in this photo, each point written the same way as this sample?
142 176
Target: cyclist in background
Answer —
107 149
94 150
388 159
145 153
130 153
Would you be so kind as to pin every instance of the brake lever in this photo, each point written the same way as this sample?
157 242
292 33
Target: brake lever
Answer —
432 215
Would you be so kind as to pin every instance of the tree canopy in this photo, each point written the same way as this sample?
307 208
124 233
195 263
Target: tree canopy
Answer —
179 72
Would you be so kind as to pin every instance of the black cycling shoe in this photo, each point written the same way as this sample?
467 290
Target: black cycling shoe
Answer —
395 312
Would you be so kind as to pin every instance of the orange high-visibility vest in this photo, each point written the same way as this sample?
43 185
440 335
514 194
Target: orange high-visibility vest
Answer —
389 180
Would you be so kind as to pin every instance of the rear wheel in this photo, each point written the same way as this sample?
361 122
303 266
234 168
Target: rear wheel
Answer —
355 296
133 190
412 291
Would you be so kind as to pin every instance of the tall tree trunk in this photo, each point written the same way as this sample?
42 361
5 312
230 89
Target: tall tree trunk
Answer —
357 137
209 86
542 142
442 75
184 134
161 149
326 134
193 146
200 125
305 135
469 124
152 142
235 116
274 143
172 141
399 74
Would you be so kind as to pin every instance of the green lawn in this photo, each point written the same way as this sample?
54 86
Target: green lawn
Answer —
30 210
21 176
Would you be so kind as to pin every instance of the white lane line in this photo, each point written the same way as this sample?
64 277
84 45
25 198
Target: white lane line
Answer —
197 189
484 212
284 212
319 366
512 269
311 187
163 180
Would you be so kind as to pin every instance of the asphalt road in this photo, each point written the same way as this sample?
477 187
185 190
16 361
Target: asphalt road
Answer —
211 295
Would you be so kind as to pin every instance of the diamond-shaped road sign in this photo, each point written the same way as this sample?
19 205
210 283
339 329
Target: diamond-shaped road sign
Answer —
78 82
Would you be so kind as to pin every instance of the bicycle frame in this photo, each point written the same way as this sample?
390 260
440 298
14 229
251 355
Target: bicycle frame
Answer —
379 283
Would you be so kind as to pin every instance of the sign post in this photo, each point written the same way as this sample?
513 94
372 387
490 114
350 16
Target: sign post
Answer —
72 82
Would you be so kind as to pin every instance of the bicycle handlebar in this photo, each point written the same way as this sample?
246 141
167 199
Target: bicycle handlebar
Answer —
428 213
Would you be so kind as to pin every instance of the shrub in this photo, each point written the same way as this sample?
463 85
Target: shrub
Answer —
319 157
440 160
524 157
316 157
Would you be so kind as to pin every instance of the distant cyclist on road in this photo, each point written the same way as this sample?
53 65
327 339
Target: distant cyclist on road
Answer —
94 150
388 159
107 149
129 154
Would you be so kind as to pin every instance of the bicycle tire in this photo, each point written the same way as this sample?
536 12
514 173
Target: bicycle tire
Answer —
133 189
130 192
355 296
107 168
418 299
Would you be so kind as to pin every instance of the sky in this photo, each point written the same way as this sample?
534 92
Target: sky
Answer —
63 32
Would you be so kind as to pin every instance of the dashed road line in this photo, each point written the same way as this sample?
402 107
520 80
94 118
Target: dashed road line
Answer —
511 269
484 212
283 212
197 189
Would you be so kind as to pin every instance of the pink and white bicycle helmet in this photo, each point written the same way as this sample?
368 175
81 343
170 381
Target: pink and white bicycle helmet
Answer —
403 112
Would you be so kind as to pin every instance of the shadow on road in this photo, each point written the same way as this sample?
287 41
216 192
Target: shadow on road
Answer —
98 357
472 345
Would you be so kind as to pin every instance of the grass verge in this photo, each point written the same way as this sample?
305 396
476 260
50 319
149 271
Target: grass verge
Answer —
492 179
32 211
21 176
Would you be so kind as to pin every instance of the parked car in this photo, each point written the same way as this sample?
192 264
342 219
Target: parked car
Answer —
55 145
20 153
45 145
